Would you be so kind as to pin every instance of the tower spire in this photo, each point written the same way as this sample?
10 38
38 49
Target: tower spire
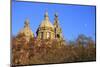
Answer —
56 22
56 15
58 31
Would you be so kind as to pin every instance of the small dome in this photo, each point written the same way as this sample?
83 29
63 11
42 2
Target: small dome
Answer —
26 30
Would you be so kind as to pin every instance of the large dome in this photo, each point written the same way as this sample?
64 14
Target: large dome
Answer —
46 22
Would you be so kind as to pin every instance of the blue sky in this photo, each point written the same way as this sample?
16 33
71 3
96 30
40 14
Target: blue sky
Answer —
73 19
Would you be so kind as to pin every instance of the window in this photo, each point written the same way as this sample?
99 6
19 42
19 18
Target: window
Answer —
48 34
58 36
41 35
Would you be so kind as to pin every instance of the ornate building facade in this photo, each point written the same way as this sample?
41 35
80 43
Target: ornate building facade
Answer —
47 30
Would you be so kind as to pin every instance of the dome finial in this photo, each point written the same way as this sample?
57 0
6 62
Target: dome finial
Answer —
26 22
56 14
46 15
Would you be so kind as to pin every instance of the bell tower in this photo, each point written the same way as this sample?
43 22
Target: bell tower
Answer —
57 29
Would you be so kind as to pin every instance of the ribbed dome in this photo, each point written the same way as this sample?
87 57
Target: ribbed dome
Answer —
46 22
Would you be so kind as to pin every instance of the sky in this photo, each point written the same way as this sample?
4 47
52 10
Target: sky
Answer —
73 19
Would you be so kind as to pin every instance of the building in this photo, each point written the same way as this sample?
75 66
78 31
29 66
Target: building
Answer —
47 30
